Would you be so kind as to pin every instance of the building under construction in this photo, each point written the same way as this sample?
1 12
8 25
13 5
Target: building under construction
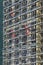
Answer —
23 32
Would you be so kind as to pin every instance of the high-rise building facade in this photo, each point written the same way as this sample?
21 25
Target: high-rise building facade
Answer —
23 32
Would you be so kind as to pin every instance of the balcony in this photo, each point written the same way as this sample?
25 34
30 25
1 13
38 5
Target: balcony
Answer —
16 61
9 9
24 16
17 6
16 53
17 13
11 15
33 36
10 42
16 41
24 52
24 10
9 56
24 38
10 22
24 2
33 13
23 60
17 19
7 3
33 51
33 6
23 31
6 10
6 17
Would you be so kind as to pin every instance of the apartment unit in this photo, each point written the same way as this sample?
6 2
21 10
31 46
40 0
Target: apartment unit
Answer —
23 32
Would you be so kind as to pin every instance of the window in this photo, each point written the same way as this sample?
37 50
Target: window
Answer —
24 9
24 43
38 12
6 17
23 26
9 56
38 4
33 23
16 45
33 13
6 10
33 59
24 16
5 36
16 28
33 36
16 1
16 53
13 7
42 33
13 21
17 33
10 30
29 1
10 42
4 43
24 52
17 19
9 63
33 50
33 26
16 40
24 60
10 2
11 35
10 9
42 49
6 3
10 22
17 13
38 19
9 49
11 15
42 56
29 7
16 61
23 31
24 38
24 2
33 6
19 45
28 15
17 6
4 30
5 24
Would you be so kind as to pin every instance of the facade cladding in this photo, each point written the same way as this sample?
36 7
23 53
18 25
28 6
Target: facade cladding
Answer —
23 32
